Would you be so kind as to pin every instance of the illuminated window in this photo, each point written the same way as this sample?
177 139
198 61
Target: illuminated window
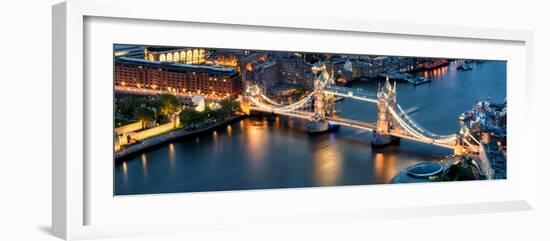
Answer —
182 56
169 57
195 56
201 55
151 57
189 57
162 58
176 57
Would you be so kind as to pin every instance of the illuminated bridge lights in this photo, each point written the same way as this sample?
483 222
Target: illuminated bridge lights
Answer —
405 127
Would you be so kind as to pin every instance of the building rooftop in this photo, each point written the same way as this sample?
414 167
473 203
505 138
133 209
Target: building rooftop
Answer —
177 67
120 47
425 170
165 49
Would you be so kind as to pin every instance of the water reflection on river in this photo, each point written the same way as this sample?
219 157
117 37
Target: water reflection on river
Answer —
275 152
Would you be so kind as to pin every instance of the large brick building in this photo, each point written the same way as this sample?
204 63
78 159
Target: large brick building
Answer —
175 77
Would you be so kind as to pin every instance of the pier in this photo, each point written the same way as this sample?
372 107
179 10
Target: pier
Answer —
406 77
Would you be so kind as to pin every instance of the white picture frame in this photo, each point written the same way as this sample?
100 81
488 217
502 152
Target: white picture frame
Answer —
73 192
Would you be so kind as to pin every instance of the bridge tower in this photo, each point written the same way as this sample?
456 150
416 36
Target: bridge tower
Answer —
251 91
319 100
387 98
322 103
245 106
459 148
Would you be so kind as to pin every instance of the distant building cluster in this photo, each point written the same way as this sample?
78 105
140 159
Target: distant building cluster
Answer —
224 72
487 122
355 67
281 71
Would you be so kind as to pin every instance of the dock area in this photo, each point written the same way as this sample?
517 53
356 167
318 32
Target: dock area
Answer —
409 78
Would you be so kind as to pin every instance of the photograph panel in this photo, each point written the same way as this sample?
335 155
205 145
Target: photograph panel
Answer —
196 119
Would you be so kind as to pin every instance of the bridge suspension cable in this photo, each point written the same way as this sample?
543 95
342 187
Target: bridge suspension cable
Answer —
288 108
475 140
270 100
468 143
413 128
415 124
403 119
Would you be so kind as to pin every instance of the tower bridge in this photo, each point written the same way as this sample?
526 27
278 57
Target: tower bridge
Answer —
392 121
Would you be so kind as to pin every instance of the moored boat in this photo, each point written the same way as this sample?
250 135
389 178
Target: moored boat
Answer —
464 67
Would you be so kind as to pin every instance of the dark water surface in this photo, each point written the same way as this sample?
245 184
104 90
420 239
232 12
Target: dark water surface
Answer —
275 152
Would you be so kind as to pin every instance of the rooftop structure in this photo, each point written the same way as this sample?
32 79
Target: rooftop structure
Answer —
176 55
177 67
422 172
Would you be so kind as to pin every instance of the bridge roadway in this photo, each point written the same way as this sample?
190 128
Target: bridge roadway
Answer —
351 123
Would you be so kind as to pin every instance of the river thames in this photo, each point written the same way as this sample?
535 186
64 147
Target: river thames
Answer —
262 152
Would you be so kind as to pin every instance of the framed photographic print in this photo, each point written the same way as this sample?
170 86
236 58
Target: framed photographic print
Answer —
200 121
196 119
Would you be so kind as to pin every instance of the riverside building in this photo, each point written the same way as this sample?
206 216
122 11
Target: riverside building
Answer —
177 77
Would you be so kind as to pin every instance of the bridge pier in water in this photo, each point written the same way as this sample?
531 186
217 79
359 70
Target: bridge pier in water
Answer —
317 126
382 140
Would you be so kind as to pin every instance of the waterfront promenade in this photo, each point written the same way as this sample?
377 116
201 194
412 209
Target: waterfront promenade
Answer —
169 136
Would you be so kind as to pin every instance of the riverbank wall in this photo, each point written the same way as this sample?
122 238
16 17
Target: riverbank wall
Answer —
152 142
